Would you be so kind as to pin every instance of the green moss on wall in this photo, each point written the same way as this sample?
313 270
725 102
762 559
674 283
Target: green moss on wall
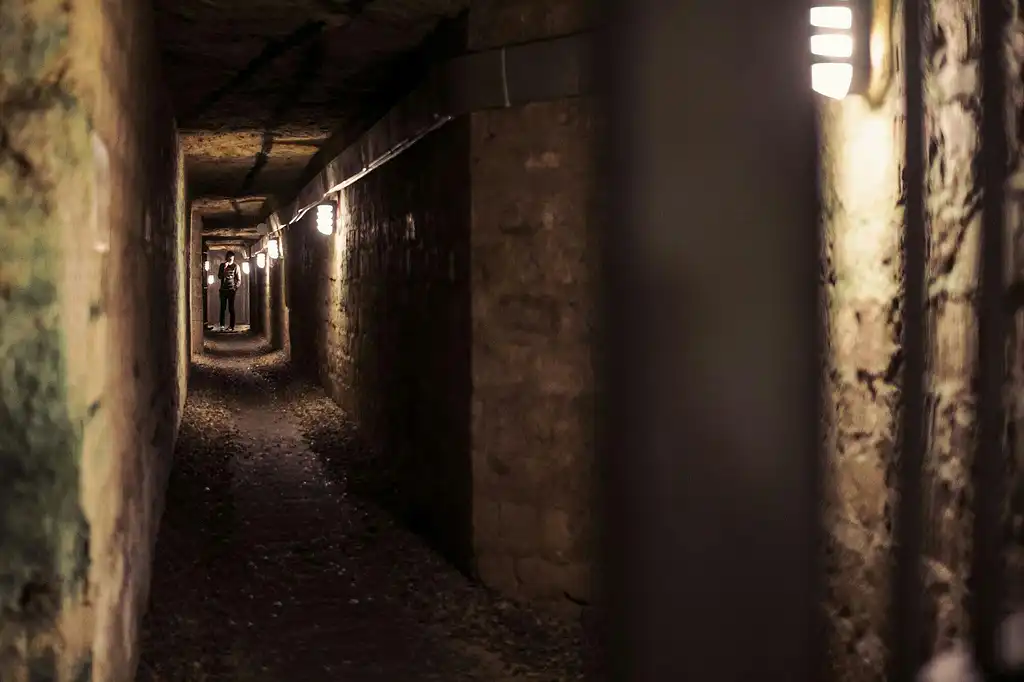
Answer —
44 145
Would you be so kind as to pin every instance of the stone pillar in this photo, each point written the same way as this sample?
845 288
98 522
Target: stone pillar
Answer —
197 284
91 332
531 306
47 228
277 289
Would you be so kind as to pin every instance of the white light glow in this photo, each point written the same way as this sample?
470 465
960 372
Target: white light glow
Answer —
274 249
832 17
210 279
261 260
832 80
325 218
832 45
245 267
206 265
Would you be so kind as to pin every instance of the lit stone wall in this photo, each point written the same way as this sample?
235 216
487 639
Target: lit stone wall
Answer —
863 217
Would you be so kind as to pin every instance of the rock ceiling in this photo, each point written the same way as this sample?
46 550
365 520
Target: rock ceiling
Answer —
260 85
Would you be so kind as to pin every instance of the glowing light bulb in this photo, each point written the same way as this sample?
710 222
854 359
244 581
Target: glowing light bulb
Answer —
206 265
245 267
261 260
325 218
832 45
210 279
274 249
832 80
832 17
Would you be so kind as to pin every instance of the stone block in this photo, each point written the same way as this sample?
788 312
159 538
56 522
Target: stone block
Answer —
486 523
540 578
493 23
497 571
520 528
558 534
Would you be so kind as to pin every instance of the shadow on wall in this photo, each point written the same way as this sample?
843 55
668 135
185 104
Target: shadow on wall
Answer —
380 314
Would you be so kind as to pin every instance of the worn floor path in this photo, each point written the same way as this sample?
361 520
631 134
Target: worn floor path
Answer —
276 562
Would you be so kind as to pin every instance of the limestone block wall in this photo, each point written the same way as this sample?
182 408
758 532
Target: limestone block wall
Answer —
380 313
451 314
532 308
92 333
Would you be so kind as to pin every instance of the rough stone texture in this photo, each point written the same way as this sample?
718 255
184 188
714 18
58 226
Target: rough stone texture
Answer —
260 85
863 217
257 298
494 23
1015 356
277 307
953 191
532 306
451 314
863 223
93 331
197 278
380 312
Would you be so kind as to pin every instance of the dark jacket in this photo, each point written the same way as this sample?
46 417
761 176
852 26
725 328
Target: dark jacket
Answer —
230 276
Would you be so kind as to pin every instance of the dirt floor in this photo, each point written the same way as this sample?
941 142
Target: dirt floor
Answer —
276 563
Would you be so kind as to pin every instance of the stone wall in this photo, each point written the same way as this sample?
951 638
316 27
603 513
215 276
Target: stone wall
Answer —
863 264
863 193
257 298
197 286
91 329
532 287
532 305
276 303
451 315
380 312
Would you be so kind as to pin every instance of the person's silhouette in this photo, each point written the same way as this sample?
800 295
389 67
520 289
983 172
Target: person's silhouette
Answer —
230 278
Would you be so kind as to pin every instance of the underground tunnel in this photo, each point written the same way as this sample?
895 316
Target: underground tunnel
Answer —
388 469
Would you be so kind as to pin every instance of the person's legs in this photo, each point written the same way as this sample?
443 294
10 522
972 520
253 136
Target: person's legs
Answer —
223 306
231 308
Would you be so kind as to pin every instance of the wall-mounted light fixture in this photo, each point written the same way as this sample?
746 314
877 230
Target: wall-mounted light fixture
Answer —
851 47
325 217
210 279
206 265
261 260
245 267
273 248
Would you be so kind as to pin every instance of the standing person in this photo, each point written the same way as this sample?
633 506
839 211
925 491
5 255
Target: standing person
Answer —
230 278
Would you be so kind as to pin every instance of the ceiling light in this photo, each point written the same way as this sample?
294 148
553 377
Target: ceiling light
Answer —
850 47
325 218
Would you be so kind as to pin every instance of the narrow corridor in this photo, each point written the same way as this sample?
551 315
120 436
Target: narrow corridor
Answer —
277 560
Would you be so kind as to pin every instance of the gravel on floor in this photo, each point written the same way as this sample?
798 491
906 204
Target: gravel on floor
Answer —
277 560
